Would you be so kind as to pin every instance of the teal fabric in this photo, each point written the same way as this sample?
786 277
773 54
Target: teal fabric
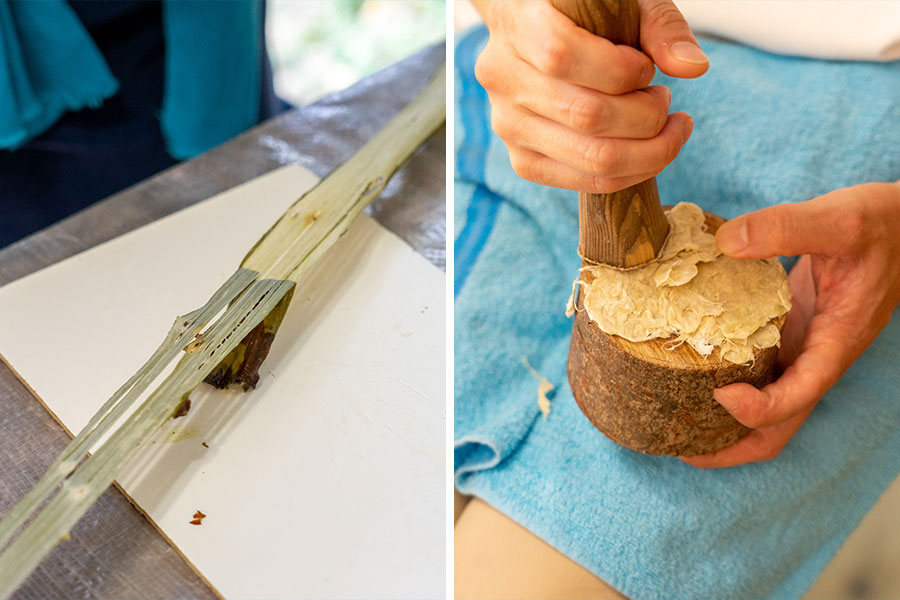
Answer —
49 64
212 72
769 129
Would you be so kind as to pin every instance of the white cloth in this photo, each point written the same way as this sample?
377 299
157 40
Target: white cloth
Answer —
832 29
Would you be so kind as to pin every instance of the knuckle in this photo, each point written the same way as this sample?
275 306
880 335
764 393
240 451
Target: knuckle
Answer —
771 451
854 223
672 147
485 72
601 158
752 415
761 412
586 114
502 125
620 79
555 58
773 226
661 118
664 15
523 165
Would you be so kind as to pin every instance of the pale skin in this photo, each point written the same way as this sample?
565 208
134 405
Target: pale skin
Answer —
845 287
575 112
495 557
574 109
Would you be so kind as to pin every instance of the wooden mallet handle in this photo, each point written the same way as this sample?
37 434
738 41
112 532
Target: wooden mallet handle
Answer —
628 227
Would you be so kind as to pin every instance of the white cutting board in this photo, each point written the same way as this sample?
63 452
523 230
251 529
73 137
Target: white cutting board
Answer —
327 480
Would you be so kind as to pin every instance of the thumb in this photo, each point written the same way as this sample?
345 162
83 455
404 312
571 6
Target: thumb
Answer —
812 227
667 38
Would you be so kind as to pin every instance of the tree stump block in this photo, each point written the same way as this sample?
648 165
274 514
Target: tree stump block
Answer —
655 399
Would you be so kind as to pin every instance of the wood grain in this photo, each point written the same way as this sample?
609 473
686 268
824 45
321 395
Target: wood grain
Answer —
616 20
654 398
628 227
623 229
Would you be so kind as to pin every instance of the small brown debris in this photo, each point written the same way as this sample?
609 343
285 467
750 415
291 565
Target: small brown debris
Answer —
194 346
198 518
183 408
199 515
312 217
204 444
196 522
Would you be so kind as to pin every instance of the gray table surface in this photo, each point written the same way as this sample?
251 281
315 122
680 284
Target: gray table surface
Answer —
114 551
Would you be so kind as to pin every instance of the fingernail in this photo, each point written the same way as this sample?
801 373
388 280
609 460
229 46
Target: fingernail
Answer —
732 237
725 399
668 94
689 53
686 129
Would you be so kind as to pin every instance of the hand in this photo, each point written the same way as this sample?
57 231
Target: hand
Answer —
573 108
845 287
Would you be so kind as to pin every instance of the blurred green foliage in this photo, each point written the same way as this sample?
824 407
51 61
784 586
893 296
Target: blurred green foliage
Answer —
319 46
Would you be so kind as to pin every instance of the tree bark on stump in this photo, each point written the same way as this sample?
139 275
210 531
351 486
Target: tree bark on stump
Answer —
655 399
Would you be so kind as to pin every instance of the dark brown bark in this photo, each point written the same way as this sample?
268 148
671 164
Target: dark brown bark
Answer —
655 399
242 364
654 407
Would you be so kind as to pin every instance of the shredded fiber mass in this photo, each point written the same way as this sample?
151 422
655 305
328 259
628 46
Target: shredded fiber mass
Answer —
691 293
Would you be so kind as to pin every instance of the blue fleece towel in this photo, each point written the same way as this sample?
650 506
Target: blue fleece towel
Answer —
769 129
49 64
